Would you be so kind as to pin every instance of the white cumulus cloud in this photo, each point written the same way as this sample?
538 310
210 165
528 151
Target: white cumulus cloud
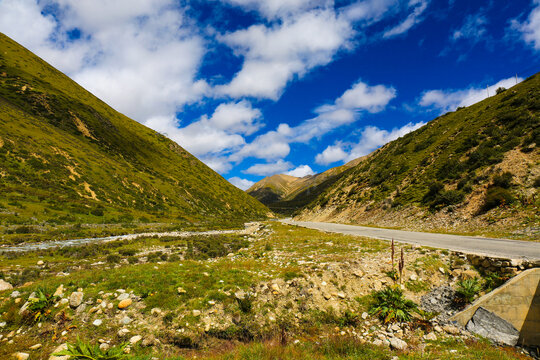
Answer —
240 183
277 167
530 29
418 8
274 55
331 154
449 100
301 171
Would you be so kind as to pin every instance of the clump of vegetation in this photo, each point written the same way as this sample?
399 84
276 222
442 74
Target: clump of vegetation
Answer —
390 305
84 351
245 303
498 193
40 307
467 290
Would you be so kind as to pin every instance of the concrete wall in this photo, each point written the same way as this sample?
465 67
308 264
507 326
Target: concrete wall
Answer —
517 301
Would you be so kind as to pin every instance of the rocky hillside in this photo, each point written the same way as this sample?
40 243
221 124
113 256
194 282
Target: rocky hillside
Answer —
474 169
67 157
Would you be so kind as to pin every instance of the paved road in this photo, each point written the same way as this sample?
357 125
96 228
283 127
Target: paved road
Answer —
512 249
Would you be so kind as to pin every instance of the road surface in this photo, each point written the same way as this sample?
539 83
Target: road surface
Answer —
511 249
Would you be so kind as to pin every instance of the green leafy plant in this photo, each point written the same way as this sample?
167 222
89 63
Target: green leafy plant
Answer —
467 290
81 350
390 305
40 307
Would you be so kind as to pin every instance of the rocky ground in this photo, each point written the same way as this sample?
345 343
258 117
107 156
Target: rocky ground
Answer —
165 297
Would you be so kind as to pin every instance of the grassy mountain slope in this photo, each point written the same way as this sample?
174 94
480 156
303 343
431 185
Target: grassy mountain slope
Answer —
472 169
285 194
67 157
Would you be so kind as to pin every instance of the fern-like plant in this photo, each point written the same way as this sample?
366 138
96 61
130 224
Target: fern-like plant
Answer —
40 307
467 290
84 351
390 305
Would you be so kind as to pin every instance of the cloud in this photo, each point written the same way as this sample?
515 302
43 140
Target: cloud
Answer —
370 139
301 171
368 10
530 29
277 167
141 57
344 110
331 154
274 55
272 9
473 28
242 184
418 6
239 117
449 100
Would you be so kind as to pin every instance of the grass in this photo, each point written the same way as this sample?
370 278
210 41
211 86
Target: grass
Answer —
113 171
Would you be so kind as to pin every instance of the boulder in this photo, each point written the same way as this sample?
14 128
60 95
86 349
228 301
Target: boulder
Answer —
124 304
76 299
135 339
398 344
493 327
4 285
21 356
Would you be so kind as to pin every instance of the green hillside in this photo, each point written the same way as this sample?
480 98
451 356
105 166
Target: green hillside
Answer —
478 165
66 157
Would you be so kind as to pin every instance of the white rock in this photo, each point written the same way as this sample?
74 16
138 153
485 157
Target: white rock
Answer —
35 347
104 347
122 332
15 294
413 277
123 296
21 356
398 344
431 336
365 315
125 320
135 339
40 262
377 342
4 285
58 349
76 299
196 312
97 322
442 270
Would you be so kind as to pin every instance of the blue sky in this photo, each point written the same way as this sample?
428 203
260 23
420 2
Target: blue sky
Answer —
258 87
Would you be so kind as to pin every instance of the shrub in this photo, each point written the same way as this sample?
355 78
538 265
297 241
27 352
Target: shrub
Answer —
81 350
503 180
496 196
500 90
467 290
390 305
113 258
132 260
349 319
245 304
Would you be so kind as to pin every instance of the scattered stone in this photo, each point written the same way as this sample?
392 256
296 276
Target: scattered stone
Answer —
181 291
365 315
35 347
4 285
196 312
275 287
124 303
450 329
491 326
57 350
104 347
135 339
97 322
413 277
76 299
442 270
40 262
125 320
156 311
431 336
398 344
15 294
3 324
377 342
123 296
341 295
59 291
240 295
327 296
21 356
122 332
438 329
